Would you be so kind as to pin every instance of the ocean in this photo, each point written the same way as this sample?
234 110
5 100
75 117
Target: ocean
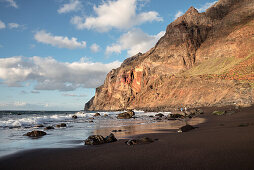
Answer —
14 124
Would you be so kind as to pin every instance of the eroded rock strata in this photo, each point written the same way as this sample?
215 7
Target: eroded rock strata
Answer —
204 59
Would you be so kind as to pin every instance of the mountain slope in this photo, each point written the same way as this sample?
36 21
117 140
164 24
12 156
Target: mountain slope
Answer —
204 59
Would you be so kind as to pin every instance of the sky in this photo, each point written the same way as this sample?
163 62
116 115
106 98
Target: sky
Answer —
54 53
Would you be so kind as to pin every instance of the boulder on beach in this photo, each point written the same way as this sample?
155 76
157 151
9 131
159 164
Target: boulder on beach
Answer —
49 127
95 140
35 133
97 114
143 140
175 116
126 115
186 128
131 112
61 125
99 139
74 116
159 115
110 138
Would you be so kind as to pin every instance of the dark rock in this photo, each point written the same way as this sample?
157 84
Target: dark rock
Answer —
61 125
151 116
144 140
97 114
125 115
171 118
49 127
90 121
230 112
131 112
35 133
159 115
244 125
105 115
110 138
117 130
158 118
74 116
95 140
99 139
186 128
175 116
194 112
40 125
200 111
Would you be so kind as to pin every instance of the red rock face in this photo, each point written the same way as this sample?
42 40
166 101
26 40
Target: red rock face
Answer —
164 76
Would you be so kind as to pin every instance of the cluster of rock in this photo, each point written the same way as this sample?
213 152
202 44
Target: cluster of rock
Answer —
175 115
38 133
99 139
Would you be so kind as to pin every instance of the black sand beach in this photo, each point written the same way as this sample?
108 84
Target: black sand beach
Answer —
223 142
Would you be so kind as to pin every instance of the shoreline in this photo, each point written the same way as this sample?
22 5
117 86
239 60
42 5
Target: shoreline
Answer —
172 108
222 142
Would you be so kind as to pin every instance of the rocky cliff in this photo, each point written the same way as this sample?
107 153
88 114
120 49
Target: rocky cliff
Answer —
204 59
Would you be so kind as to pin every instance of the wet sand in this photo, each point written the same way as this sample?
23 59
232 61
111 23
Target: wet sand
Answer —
222 142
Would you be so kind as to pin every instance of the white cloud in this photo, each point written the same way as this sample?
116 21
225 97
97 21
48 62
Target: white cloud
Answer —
15 26
206 6
115 48
120 14
143 3
58 41
11 25
12 3
74 5
49 74
2 25
95 48
134 41
178 14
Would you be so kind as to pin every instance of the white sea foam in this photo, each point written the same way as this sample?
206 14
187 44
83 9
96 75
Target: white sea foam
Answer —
31 120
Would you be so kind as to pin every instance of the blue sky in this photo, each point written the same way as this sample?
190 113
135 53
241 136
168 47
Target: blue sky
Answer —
54 53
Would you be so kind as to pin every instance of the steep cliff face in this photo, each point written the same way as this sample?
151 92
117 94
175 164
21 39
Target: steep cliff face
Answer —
204 59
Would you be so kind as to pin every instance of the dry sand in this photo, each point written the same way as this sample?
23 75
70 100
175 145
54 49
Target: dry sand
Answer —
223 142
